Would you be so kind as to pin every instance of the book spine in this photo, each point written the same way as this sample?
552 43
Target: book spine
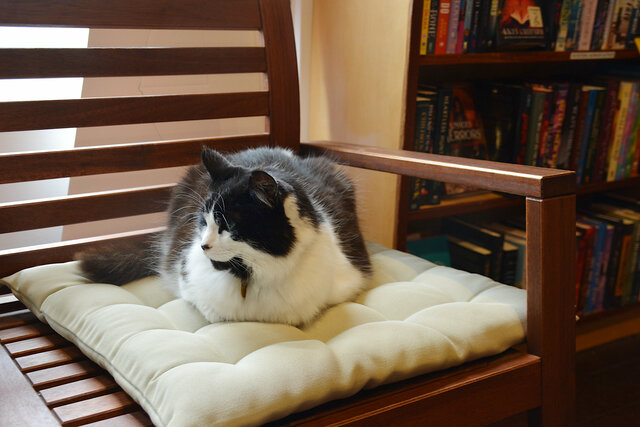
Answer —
549 107
624 96
424 109
524 122
628 128
586 24
569 126
468 19
604 138
475 26
492 25
630 292
555 136
433 26
577 137
606 34
424 28
535 125
634 26
604 266
635 163
454 18
584 136
461 23
443 27
593 136
599 23
620 24
563 26
573 30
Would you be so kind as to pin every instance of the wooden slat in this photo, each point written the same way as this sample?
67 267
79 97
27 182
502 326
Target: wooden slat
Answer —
78 390
48 359
19 405
115 62
95 409
223 14
134 419
24 332
69 113
9 303
522 180
37 165
82 208
16 318
35 345
63 374
13 260
284 101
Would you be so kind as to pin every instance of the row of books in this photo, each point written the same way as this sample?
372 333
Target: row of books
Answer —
592 128
607 251
471 26
596 24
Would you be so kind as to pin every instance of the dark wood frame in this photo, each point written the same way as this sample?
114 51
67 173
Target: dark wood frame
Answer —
537 382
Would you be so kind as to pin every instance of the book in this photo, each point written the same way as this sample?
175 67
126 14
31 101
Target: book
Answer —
593 123
563 26
569 126
573 29
599 23
424 28
468 21
522 124
474 28
518 238
580 127
624 97
585 261
434 249
509 263
462 21
629 123
596 277
608 24
604 137
539 101
620 24
442 31
557 122
421 189
478 235
432 30
441 134
468 256
466 132
587 21
454 18
520 25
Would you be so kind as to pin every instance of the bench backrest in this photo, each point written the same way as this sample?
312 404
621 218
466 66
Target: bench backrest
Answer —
279 104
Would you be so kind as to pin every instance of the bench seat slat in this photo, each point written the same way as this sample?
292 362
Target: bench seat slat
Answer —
70 113
194 14
118 62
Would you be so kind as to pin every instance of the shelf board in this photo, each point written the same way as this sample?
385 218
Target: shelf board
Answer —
464 204
486 200
525 57
607 326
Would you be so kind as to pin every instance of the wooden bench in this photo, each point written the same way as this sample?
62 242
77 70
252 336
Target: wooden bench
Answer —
43 373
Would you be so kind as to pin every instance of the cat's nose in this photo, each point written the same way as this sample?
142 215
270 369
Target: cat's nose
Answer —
205 247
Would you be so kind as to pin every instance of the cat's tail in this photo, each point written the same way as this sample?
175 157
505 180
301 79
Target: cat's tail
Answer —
118 263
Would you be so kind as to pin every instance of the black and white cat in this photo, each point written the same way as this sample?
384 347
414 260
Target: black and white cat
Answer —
259 235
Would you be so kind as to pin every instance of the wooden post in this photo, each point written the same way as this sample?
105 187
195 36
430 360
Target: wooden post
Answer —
550 281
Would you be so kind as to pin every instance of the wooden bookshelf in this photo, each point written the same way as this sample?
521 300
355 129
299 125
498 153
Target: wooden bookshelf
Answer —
607 326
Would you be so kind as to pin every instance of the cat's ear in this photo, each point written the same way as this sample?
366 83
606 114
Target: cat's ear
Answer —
217 165
264 187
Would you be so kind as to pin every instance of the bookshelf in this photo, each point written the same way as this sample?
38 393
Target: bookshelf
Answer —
354 67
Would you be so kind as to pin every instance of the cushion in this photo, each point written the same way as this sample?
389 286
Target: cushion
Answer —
416 318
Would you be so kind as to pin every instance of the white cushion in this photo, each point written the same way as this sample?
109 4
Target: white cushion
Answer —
417 318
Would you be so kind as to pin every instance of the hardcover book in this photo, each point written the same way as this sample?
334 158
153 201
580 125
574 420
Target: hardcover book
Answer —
521 25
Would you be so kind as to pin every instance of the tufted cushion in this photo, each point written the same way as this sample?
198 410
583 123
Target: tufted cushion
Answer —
417 318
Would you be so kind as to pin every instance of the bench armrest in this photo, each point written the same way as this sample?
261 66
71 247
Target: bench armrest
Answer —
529 181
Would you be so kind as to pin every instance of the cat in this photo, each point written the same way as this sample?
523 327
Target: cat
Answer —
258 235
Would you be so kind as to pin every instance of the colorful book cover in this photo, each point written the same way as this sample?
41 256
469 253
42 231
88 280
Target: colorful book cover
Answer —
594 273
624 96
620 24
521 25
629 123
443 27
466 132
549 108
461 25
582 287
604 138
594 133
557 121
599 24
585 135
432 31
468 20
587 20
563 26
539 95
452 34
424 32
569 126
